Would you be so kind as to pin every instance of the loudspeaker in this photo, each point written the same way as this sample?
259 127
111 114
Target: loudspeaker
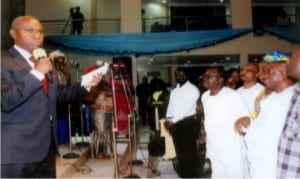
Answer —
125 60
258 31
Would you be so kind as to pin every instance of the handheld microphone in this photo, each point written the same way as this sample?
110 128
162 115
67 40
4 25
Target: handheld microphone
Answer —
74 64
38 54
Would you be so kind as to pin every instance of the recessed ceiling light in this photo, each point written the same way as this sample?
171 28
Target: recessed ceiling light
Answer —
227 58
164 1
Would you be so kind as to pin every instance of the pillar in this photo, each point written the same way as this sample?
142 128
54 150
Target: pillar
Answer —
241 13
131 16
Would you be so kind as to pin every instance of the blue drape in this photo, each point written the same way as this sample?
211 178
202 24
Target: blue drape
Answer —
291 34
141 43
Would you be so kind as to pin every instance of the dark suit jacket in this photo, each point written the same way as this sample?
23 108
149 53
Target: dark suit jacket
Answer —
27 113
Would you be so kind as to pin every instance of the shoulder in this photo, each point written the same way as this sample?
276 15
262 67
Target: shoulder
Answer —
229 92
259 86
9 57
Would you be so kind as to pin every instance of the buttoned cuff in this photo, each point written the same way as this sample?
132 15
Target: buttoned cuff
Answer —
40 76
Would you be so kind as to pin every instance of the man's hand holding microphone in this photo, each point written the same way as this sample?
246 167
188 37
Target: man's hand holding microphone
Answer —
43 64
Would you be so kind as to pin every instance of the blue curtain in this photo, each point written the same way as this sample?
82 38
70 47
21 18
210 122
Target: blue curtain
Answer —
291 34
141 43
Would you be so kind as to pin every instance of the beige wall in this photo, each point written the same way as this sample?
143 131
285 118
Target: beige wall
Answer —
55 9
108 8
131 17
131 22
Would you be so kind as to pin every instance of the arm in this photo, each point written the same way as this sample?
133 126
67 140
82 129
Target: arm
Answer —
76 92
17 84
242 124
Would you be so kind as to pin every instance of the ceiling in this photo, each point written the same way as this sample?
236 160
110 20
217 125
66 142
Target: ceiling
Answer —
227 1
187 60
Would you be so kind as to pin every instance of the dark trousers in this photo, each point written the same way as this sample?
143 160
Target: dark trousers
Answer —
43 169
143 111
185 134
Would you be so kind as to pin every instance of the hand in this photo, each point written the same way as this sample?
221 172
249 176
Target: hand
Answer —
169 126
43 65
242 124
94 82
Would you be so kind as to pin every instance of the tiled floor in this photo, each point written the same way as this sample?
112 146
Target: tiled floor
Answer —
96 168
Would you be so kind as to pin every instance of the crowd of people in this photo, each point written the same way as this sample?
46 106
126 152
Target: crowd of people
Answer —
251 119
248 119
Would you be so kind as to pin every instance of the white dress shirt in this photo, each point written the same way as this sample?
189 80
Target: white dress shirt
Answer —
182 102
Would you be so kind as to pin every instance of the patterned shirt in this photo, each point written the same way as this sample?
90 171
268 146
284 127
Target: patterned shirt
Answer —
288 164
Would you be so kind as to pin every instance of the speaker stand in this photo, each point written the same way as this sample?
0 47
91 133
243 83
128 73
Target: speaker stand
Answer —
71 154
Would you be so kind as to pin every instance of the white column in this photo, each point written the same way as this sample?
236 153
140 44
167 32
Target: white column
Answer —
131 16
241 13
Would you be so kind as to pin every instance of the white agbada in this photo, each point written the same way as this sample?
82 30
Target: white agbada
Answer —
263 134
182 102
224 145
249 95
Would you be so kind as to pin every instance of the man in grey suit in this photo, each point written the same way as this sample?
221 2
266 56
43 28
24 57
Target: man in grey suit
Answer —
28 112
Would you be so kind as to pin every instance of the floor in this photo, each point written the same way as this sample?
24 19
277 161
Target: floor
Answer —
88 167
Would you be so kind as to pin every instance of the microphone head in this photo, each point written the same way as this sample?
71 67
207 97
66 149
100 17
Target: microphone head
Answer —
39 53
99 62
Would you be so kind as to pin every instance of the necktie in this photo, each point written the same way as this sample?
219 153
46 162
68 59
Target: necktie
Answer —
44 81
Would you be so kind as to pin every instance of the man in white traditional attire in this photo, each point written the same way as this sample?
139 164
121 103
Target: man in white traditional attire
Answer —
251 88
222 107
262 136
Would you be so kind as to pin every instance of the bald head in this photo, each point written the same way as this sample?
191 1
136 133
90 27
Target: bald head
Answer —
277 77
27 32
248 74
19 21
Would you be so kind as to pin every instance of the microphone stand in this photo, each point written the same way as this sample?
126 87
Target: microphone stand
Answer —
114 127
82 143
127 90
131 133
71 154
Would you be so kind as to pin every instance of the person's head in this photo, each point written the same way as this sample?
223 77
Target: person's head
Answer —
233 78
77 8
159 85
213 78
144 79
248 73
263 70
294 64
27 32
200 82
58 58
277 75
181 75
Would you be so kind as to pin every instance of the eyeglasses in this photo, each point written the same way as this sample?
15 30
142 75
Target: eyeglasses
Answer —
211 76
248 70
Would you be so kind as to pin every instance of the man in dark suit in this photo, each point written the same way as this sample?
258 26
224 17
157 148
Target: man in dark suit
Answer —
28 112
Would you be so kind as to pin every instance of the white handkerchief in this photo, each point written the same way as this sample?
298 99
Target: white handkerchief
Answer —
86 78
